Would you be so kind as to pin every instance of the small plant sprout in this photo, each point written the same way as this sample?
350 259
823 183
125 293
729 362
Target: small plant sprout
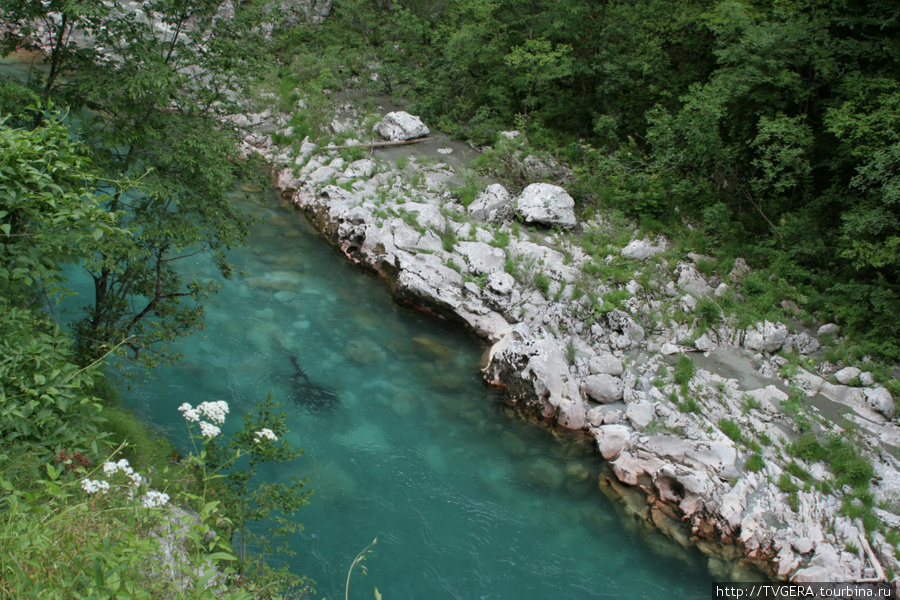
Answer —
357 562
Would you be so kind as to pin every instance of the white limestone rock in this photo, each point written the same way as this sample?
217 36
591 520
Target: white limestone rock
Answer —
640 414
704 343
640 250
829 330
493 205
362 168
546 204
765 337
607 364
400 125
612 440
603 388
847 374
481 257
881 400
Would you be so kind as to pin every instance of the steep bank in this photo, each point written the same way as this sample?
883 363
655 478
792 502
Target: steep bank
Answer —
708 444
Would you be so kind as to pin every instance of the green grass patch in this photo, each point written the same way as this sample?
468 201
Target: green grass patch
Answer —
755 463
731 429
684 369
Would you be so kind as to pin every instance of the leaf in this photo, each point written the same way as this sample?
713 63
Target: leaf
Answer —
377 594
221 556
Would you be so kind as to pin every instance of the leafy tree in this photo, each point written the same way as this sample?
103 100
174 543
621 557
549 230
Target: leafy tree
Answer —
147 105
47 211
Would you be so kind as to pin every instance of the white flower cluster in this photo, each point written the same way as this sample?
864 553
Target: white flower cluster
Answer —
214 411
154 499
92 486
111 468
151 499
265 433
209 430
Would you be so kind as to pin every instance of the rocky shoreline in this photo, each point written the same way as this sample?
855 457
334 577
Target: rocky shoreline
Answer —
681 447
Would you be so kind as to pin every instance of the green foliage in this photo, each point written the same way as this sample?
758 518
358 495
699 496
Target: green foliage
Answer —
611 301
848 465
808 448
158 154
238 460
47 211
684 369
542 283
755 463
690 405
786 484
44 397
731 429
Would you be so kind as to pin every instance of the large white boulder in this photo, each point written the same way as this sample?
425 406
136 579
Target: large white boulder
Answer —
399 126
546 204
603 388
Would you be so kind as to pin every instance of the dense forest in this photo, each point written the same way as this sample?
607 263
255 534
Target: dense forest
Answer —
769 129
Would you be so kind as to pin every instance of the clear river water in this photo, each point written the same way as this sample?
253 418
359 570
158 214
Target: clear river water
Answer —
467 499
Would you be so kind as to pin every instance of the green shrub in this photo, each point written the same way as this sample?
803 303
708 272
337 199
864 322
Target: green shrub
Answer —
731 429
786 484
542 283
808 448
755 463
848 465
708 312
684 369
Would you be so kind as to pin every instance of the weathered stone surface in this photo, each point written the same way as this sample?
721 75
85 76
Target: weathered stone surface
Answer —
494 204
704 343
363 167
881 400
691 281
572 413
546 204
612 440
805 344
765 337
400 125
608 364
500 282
603 388
640 414
481 257
827 330
640 250
619 320
812 575
740 270
847 374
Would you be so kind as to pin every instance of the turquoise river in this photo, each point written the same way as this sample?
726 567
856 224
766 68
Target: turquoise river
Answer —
467 499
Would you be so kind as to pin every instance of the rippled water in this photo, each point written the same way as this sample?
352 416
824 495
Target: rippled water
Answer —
467 500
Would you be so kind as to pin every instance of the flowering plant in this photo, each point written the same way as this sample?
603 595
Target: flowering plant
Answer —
227 467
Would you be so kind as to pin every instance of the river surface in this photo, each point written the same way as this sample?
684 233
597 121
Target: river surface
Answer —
467 500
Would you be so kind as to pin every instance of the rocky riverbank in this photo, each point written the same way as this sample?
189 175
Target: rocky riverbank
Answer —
747 447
